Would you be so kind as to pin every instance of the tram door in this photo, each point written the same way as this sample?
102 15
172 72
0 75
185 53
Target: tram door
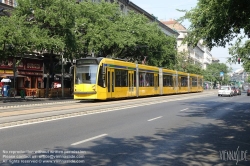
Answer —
131 83
110 82
156 83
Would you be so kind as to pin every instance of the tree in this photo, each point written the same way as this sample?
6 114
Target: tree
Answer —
212 73
241 54
218 22
57 27
18 39
185 64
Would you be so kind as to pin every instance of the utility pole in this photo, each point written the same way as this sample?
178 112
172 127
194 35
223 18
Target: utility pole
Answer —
14 71
62 77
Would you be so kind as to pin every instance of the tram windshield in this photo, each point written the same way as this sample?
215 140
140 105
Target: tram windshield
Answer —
86 74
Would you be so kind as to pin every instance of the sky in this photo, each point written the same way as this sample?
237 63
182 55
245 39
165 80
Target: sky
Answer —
166 10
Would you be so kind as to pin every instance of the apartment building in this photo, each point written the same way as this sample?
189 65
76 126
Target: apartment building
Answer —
200 54
9 3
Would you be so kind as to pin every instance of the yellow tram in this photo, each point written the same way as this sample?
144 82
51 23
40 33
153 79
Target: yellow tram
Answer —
104 78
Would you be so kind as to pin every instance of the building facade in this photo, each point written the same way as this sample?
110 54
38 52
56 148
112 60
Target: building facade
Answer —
199 55
126 6
23 73
11 3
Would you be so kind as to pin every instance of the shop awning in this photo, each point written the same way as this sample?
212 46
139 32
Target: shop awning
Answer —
5 80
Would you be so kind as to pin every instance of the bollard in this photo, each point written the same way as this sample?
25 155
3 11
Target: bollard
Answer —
22 94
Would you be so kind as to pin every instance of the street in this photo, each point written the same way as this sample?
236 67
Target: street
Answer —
188 129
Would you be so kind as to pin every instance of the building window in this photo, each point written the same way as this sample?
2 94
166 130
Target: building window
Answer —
122 8
11 3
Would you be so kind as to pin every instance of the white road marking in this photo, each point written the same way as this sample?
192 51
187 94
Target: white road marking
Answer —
86 140
155 118
184 109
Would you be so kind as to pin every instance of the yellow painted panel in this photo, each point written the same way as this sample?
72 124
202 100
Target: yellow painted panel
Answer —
168 90
183 89
194 89
145 91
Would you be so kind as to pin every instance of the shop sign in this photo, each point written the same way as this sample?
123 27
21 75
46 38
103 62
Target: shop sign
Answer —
8 71
9 64
6 63
33 66
29 73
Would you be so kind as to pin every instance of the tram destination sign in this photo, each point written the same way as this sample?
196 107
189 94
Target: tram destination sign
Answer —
86 62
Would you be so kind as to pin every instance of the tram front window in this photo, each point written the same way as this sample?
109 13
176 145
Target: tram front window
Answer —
86 74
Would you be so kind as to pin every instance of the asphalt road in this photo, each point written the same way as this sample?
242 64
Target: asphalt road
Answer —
188 131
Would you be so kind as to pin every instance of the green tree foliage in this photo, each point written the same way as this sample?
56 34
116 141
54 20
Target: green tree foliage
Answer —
218 22
212 73
56 18
241 52
185 64
18 39
55 27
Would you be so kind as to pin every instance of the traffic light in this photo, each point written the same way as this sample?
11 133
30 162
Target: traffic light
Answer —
238 60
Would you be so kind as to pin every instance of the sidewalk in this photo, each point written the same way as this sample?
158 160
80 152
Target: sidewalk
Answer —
17 101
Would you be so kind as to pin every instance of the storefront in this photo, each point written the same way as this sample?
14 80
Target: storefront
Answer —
29 74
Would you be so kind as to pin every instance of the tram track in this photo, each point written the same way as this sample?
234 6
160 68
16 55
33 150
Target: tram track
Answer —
71 104
74 111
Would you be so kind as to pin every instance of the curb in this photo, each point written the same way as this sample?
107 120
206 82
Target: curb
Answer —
26 105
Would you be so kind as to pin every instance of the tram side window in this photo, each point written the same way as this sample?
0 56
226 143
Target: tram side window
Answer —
184 81
167 81
100 80
149 79
194 81
158 81
200 82
121 78
141 79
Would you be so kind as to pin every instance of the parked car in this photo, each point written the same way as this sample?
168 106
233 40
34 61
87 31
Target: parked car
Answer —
248 92
238 91
225 91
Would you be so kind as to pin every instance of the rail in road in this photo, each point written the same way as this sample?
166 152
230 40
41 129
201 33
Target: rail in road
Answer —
14 117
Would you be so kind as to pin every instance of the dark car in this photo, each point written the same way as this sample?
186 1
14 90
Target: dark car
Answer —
248 92
235 91
238 91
